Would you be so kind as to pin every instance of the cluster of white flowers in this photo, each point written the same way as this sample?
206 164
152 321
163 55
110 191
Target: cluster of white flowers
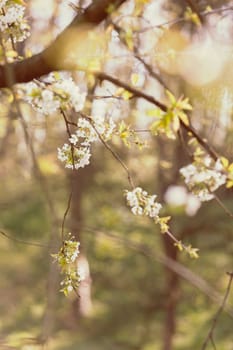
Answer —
66 258
142 204
85 133
105 128
47 99
203 178
69 94
73 156
77 154
2 3
42 100
12 23
70 251
70 282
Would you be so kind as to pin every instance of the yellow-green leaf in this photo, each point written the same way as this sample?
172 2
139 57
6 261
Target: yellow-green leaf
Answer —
184 118
134 78
225 162
230 168
128 36
12 54
126 95
184 104
179 245
229 184
171 97
155 112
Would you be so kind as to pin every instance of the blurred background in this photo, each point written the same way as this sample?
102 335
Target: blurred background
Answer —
133 295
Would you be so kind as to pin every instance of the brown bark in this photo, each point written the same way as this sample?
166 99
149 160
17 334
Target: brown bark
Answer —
171 278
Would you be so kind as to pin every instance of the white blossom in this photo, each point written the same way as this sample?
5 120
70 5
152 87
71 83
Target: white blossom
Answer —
105 128
47 99
73 139
109 129
66 258
12 23
2 3
143 204
47 104
14 14
70 288
42 100
203 180
74 158
86 132
70 92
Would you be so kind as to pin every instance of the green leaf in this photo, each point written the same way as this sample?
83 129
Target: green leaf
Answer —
163 222
193 252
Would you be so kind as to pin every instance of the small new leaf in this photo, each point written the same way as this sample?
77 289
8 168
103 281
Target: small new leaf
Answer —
134 78
179 245
163 222
193 252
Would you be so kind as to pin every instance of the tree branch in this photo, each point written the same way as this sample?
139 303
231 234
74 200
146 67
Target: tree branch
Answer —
170 263
162 106
47 61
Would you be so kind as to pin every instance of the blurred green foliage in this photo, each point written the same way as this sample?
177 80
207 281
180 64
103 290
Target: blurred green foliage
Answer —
128 288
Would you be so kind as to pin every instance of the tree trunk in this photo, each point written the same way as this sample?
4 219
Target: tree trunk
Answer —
172 294
81 306
172 279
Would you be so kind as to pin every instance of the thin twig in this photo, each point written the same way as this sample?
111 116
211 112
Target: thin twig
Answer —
67 123
65 216
200 140
227 211
136 92
162 106
216 318
184 19
171 264
115 155
22 241
151 71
